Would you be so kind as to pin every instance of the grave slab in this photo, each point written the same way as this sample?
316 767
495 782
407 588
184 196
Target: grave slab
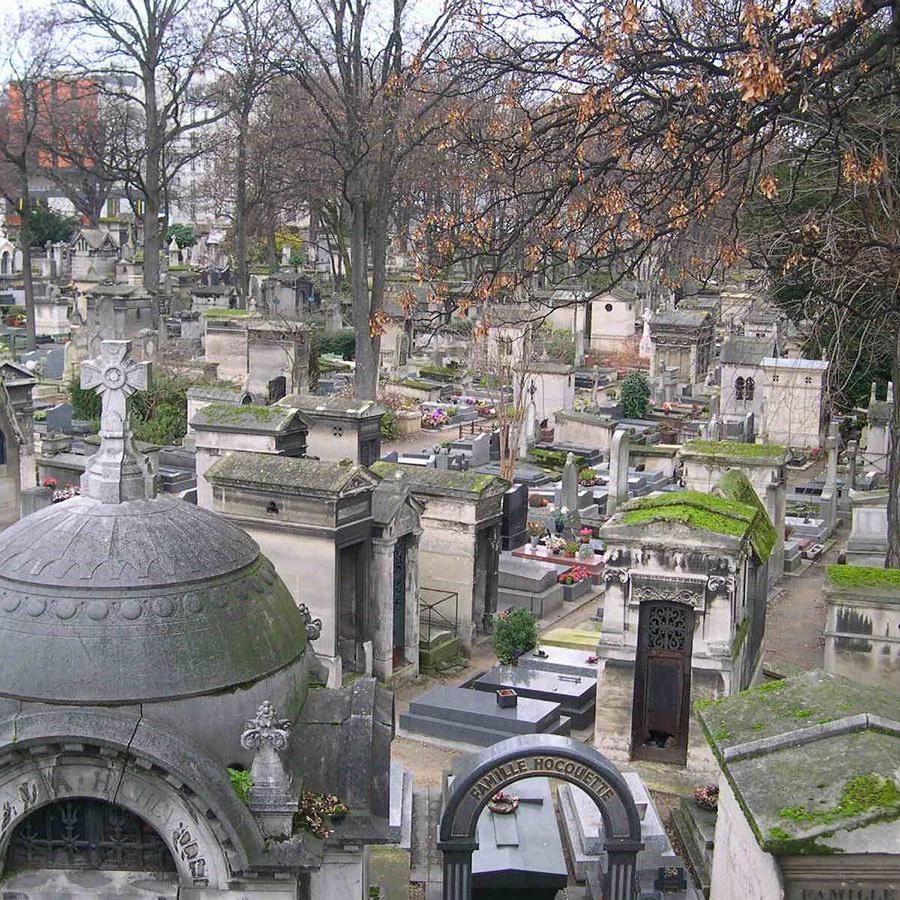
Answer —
473 717
575 695
562 660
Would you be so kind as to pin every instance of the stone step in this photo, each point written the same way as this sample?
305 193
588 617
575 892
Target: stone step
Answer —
698 854
573 639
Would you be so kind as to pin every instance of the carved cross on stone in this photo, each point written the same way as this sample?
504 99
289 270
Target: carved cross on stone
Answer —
116 473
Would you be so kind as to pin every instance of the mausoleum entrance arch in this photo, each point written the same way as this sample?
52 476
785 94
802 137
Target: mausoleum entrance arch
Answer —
530 756
78 774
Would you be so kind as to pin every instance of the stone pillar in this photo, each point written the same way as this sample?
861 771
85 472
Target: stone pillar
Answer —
457 869
618 470
579 346
382 607
413 612
852 451
619 881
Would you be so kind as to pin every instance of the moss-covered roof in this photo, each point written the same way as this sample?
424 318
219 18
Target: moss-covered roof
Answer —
734 485
442 481
865 578
249 417
809 761
704 512
288 475
735 450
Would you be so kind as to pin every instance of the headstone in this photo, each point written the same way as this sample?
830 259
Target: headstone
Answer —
852 451
513 523
570 483
618 470
645 348
528 584
579 347
286 255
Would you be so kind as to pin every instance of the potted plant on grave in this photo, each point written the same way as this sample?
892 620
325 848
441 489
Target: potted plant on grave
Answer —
536 531
515 633
576 582
587 477
707 797
571 548
669 879
585 550
559 520
507 698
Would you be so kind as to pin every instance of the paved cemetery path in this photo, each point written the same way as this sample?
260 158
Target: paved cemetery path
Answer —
795 619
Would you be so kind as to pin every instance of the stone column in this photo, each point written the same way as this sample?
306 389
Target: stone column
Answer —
413 612
619 878
458 870
383 607
852 451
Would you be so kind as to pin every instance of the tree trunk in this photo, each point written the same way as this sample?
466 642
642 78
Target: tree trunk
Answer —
892 561
25 241
366 360
240 210
152 186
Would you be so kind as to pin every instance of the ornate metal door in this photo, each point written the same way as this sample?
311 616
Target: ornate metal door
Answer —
87 834
662 682
399 638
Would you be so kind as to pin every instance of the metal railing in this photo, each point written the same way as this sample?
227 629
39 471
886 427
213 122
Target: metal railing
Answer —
431 617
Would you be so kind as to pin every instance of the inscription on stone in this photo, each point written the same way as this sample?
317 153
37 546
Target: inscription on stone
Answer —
844 891
560 766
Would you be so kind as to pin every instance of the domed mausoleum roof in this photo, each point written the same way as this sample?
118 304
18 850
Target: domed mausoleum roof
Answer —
117 597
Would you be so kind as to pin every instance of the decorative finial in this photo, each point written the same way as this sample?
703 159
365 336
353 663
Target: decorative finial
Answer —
273 798
265 729
115 472
313 626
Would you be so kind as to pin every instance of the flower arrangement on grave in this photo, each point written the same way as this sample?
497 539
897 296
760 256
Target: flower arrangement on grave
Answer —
571 548
538 502
536 529
486 409
315 811
587 477
434 418
586 534
555 543
503 804
707 797
64 493
49 482
559 520
574 575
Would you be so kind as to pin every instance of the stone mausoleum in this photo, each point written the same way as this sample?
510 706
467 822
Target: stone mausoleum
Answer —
148 648
683 618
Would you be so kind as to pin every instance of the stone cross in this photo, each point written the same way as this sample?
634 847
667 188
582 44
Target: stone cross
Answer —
115 473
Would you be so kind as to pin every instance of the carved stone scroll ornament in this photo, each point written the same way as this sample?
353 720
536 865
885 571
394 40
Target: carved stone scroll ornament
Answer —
645 593
615 573
313 626
716 584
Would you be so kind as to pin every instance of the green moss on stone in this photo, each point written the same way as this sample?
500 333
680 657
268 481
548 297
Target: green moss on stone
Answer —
781 843
231 414
733 450
221 312
864 577
861 794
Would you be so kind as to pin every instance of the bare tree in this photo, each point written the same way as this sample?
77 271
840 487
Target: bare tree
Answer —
375 85
28 54
164 47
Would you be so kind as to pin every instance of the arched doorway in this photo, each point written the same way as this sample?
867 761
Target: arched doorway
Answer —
81 833
539 755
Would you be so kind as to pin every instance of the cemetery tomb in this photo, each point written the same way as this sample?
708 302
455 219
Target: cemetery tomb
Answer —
563 660
520 853
576 695
529 584
474 717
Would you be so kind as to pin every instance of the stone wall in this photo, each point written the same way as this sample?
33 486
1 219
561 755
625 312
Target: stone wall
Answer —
740 867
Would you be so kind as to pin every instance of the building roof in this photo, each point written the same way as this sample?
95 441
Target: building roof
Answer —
736 451
246 417
333 404
703 513
95 238
426 481
748 351
812 760
784 362
283 474
681 318
135 601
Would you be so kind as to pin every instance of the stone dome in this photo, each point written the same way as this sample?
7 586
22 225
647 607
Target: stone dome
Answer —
148 599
